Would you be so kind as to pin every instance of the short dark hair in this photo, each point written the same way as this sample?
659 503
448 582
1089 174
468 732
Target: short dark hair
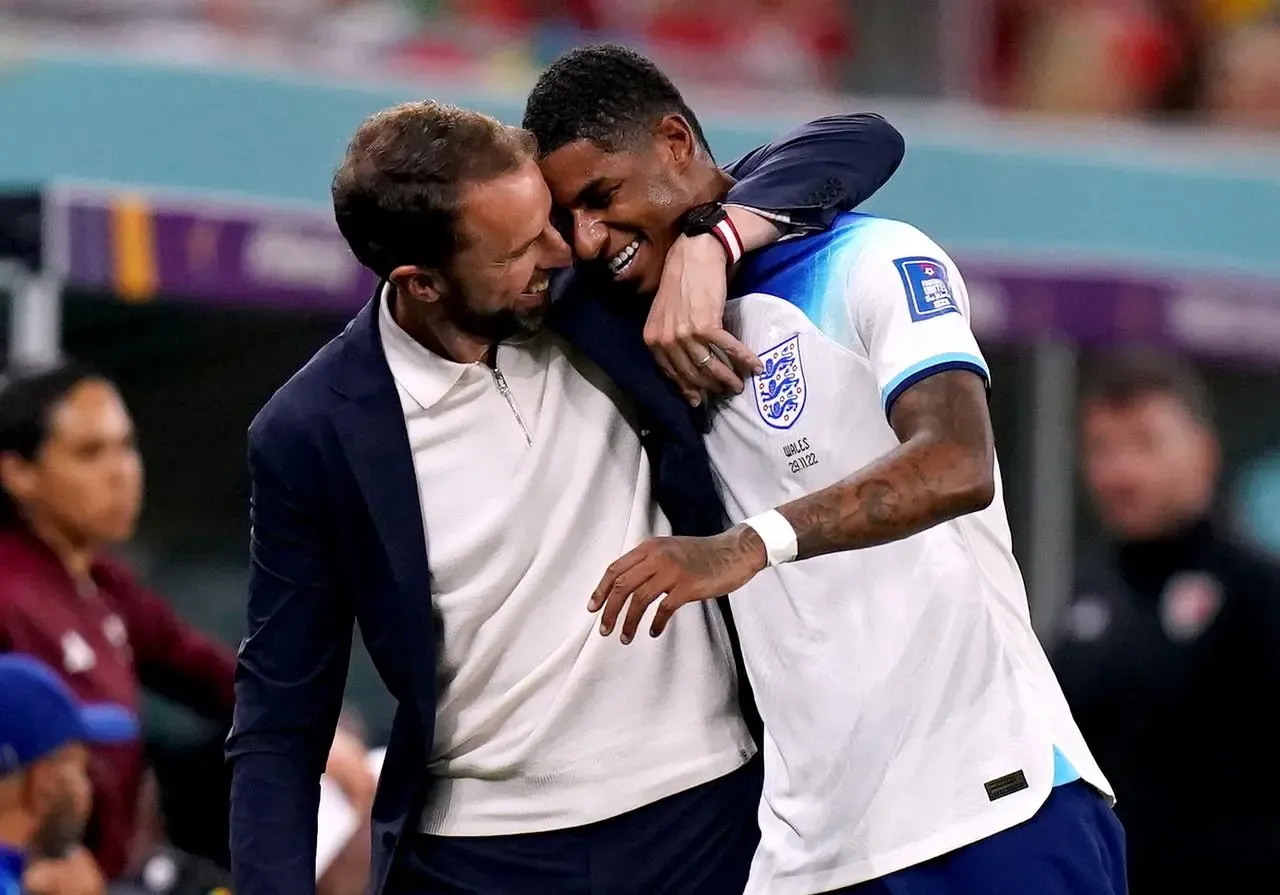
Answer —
1123 377
28 398
606 93
397 193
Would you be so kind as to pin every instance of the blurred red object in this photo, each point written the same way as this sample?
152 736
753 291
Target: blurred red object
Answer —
1087 56
527 13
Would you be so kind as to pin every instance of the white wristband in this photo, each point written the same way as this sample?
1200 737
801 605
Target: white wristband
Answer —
778 536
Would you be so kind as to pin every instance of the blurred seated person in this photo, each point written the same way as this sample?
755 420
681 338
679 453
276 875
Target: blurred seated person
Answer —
1170 650
156 867
71 489
45 794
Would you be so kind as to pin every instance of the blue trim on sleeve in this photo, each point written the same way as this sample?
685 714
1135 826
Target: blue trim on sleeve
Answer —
939 363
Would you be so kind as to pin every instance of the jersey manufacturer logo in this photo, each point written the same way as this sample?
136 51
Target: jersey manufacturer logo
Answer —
780 387
928 289
1189 604
1006 785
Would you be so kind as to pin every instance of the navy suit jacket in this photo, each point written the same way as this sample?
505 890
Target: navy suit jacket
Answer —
337 531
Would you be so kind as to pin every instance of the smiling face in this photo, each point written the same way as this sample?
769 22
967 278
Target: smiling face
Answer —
497 284
623 207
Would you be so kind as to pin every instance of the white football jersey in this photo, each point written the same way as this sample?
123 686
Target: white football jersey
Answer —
909 707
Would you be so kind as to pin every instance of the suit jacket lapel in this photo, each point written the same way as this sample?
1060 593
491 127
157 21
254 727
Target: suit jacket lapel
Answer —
371 429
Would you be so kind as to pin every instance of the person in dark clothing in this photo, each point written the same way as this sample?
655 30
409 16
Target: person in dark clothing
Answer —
156 867
1170 651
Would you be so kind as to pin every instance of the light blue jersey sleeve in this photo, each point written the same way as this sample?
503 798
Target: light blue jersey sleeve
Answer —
907 308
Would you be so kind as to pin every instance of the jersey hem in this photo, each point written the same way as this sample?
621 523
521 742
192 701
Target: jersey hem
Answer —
901 858
474 807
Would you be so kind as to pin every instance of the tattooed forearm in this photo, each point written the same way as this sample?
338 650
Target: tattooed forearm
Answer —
943 468
715 556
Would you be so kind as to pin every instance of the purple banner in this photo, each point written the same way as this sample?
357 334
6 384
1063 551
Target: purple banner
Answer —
213 253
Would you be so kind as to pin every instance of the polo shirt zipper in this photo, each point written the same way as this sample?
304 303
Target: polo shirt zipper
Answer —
505 391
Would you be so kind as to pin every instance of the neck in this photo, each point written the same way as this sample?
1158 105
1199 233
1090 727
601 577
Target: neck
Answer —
437 334
76 555
1184 528
709 183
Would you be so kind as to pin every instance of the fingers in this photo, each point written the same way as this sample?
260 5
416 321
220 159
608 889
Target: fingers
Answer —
697 367
670 603
687 375
692 395
743 359
715 376
654 587
633 582
618 596
654 339
617 568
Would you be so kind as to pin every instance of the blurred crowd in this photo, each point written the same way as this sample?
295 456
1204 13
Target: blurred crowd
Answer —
776 43
1217 60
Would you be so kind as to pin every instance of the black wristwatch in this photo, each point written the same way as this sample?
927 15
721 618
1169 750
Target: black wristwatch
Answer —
710 217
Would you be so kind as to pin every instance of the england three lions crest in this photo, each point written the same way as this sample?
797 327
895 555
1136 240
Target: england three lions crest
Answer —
780 387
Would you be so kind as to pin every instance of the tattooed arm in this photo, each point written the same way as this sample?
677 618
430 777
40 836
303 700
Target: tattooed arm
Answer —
907 314
943 468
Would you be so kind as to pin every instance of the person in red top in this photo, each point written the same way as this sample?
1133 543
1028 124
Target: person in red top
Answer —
70 488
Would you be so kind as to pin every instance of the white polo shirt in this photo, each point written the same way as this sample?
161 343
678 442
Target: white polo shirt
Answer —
532 482
908 706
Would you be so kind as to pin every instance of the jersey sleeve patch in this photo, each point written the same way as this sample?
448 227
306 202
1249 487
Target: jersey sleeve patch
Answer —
928 288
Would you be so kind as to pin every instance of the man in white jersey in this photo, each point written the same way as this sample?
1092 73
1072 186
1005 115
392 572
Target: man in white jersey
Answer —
916 740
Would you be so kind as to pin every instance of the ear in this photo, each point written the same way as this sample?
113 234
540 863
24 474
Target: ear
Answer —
39 784
676 138
418 283
17 476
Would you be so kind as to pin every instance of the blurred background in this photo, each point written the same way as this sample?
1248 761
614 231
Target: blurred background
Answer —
1106 172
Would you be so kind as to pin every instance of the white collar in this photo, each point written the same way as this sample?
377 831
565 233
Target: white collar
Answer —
425 375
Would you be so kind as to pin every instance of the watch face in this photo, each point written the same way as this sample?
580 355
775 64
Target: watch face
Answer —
702 218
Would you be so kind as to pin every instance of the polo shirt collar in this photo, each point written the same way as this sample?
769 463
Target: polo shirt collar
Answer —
425 375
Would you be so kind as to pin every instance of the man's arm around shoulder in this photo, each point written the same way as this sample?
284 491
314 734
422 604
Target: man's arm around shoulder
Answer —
799 182
823 167
292 664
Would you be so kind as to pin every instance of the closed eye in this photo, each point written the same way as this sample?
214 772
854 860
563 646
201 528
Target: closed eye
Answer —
598 199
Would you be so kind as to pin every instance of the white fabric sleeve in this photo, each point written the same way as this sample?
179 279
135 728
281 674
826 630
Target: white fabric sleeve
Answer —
909 308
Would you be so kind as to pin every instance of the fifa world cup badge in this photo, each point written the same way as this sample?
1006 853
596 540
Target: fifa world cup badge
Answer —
928 288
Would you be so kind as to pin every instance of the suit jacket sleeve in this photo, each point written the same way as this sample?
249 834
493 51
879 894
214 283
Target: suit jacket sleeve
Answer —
292 666
812 173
